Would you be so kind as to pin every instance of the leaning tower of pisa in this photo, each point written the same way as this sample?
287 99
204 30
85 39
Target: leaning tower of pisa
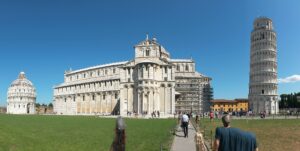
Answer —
263 68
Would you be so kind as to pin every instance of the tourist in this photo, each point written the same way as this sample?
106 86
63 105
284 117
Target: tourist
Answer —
119 141
217 114
233 139
185 124
197 119
211 116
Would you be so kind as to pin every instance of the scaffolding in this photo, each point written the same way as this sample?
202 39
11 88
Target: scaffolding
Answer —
193 94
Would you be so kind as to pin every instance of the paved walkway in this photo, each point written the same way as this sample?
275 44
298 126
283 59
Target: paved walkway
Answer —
181 143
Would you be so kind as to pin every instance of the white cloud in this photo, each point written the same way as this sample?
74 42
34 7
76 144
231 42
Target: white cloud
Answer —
290 79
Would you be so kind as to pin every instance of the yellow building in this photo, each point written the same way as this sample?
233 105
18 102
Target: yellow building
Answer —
229 105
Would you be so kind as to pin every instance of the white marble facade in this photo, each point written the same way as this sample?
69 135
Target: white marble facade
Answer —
21 96
142 85
263 85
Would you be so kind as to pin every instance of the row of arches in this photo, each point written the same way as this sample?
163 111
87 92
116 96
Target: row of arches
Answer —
87 103
88 87
263 35
100 72
263 45
259 55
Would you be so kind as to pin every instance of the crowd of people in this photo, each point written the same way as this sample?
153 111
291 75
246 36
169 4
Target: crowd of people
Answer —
219 114
154 114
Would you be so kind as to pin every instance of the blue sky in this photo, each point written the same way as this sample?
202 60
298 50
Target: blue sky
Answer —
46 37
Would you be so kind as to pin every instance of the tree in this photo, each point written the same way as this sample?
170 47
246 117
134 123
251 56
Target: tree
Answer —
37 105
50 105
289 100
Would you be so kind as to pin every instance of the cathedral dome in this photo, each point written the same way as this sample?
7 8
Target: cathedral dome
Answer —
21 87
21 81
21 96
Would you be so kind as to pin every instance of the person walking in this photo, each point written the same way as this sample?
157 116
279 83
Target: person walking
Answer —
197 119
185 124
233 139
211 116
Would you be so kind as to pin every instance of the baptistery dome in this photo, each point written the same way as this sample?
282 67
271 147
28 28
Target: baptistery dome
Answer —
21 96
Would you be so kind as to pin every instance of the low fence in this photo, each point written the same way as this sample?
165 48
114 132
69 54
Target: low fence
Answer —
199 138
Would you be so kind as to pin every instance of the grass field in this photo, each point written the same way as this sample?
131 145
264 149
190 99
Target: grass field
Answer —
272 135
78 133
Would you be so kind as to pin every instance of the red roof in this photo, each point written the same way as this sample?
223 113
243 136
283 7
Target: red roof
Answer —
223 101
228 101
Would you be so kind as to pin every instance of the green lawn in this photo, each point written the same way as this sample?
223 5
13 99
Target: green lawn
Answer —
272 135
80 133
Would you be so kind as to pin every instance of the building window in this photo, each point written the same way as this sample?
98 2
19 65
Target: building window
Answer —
262 91
105 71
65 99
187 68
178 67
83 98
84 75
103 96
166 70
116 96
93 97
147 52
114 70
74 99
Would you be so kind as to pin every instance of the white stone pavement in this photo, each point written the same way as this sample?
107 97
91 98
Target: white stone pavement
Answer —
181 143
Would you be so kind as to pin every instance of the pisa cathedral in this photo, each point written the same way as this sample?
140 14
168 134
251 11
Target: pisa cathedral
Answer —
263 85
152 81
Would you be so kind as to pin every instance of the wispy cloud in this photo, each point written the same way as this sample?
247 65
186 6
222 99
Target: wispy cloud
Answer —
290 79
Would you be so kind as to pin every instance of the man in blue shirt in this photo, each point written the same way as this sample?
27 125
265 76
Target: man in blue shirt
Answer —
233 139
